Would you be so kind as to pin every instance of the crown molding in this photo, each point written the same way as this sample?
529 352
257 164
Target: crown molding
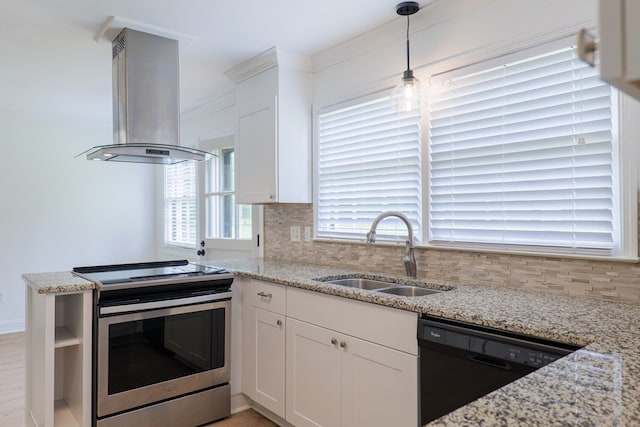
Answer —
270 58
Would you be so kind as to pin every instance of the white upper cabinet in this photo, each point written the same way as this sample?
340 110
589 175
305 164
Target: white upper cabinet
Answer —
273 135
619 53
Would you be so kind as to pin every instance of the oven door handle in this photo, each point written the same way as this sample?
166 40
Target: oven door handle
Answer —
126 308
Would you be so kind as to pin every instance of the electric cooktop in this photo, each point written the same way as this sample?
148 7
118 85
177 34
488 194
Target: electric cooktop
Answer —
161 271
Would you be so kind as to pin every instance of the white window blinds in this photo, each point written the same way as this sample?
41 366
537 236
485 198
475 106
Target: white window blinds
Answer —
523 154
180 204
368 162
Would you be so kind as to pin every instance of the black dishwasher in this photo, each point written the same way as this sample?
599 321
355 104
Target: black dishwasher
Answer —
460 362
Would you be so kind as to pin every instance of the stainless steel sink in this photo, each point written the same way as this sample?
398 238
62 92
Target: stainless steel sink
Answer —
368 284
408 291
382 286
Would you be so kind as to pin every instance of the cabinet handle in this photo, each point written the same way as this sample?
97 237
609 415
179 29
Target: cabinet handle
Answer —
264 295
334 341
343 344
279 322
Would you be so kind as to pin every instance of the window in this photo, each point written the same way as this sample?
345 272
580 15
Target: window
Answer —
180 204
224 219
368 162
200 205
524 153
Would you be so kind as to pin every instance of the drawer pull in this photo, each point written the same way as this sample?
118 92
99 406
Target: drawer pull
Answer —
334 341
264 295
343 344
279 322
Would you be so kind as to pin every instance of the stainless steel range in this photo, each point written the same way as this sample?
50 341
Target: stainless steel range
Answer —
161 343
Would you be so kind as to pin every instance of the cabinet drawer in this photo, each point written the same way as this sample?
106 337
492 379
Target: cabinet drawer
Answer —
386 326
268 296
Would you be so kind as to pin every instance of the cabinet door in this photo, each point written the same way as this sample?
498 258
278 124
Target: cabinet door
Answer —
632 36
270 360
313 375
379 385
256 157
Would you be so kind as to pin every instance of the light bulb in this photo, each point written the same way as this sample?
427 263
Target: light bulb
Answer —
406 95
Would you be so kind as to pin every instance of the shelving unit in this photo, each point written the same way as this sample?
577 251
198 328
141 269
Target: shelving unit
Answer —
58 357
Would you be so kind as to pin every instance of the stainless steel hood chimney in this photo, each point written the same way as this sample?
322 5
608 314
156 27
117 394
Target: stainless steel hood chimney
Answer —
146 106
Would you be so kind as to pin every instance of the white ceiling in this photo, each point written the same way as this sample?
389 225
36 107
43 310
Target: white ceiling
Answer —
51 63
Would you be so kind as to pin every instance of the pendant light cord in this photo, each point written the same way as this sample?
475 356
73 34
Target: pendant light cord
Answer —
408 67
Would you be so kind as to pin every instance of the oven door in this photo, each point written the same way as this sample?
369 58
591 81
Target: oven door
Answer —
158 354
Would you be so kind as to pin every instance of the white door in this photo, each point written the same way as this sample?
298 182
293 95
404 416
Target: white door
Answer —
313 375
226 229
379 385
270 360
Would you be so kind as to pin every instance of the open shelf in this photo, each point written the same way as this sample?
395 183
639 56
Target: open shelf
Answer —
62 415
64 338
58 359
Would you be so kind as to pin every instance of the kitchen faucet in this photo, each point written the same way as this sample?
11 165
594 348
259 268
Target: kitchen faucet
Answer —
409 259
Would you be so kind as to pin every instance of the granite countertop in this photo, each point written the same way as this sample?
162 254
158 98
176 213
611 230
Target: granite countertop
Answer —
57 282
598 385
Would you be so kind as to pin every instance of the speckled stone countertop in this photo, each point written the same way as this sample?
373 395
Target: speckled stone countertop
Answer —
57 282
598 385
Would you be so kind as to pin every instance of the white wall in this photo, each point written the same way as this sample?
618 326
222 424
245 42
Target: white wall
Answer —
442 35
59 212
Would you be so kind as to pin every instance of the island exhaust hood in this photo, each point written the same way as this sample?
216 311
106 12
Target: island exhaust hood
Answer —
146 103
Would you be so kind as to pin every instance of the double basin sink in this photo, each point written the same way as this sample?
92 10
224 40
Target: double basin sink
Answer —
383 287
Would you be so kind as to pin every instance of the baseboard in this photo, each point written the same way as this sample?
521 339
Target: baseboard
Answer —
11 326
31 421
267 413
238 403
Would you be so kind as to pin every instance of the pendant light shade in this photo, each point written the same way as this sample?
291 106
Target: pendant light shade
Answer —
406 95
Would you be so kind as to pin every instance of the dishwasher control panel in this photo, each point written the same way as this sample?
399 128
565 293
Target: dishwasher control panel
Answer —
491 344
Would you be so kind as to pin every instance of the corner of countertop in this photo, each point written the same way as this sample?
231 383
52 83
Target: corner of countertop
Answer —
57 282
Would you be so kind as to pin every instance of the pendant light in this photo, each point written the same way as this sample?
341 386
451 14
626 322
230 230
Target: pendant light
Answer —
406 95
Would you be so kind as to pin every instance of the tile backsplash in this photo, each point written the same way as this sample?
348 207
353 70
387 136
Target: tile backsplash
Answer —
615 281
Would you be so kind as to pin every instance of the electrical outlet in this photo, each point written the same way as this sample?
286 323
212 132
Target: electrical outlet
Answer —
2 298
307 234
295 233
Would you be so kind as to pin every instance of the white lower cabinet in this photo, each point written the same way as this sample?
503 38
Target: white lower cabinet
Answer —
321 360
338 380
270 361
263 344
379 385
313 375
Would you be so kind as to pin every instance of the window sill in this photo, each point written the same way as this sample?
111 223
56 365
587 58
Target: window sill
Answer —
174 251
559 255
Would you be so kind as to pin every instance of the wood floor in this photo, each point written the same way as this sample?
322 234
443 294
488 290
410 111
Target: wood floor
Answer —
12 380
12 389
